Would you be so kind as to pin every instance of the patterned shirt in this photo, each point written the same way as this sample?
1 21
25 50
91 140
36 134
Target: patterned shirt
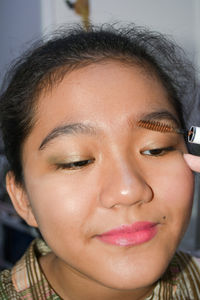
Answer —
26 280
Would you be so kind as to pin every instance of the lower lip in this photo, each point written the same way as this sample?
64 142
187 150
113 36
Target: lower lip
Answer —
137 234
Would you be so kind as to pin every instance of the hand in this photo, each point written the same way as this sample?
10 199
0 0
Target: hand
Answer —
192 161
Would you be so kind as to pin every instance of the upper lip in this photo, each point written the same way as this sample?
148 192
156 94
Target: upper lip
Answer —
130 228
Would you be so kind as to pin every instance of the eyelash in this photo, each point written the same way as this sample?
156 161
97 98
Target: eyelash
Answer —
75 164
158 151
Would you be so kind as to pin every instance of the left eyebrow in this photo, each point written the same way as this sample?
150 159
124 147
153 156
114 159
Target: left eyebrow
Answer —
161 115
67 129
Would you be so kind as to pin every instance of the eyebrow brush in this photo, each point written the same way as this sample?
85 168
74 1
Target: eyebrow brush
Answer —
193 134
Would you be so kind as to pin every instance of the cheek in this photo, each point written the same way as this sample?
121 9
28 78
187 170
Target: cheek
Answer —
60 205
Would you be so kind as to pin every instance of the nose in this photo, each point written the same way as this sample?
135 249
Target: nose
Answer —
124 185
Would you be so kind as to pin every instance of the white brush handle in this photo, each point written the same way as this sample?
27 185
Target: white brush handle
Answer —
194 135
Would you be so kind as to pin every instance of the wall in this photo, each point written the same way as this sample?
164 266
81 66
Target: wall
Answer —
178 18
24 20
20 22
197 32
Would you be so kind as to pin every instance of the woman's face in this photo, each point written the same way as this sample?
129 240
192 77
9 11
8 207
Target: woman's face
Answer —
112 209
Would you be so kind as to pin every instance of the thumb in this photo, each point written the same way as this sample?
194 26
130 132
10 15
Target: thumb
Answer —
192 161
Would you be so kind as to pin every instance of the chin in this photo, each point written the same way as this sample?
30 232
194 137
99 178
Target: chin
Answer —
127 283
140 275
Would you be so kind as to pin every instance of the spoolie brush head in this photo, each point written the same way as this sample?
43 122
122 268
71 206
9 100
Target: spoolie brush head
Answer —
156 126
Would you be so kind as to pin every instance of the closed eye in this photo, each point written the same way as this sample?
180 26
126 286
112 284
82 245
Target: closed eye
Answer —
158 151
75 164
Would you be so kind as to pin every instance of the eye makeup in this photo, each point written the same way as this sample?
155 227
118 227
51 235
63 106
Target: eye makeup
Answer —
158 151
74 165
193 134
72 162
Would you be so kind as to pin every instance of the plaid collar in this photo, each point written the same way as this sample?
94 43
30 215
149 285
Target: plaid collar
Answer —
28 279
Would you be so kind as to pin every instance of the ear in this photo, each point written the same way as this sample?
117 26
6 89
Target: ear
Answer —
20 199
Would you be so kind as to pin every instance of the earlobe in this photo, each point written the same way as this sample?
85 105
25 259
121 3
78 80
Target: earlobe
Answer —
20 199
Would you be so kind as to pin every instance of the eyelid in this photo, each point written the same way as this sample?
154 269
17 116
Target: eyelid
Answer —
78 164
163 151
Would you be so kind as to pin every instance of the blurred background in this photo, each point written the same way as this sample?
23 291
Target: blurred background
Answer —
24 21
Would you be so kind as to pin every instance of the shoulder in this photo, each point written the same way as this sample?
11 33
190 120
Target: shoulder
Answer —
187 266
7 290
16 283
197 261
187 262
184 275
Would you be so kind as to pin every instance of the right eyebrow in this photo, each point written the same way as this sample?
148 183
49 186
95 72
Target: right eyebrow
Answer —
67 129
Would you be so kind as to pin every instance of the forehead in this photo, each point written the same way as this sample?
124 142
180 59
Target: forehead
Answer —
104 87
106 96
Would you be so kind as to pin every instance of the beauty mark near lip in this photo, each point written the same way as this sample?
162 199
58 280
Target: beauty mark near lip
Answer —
130 235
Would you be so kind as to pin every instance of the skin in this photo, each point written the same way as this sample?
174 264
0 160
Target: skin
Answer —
193 162
124 184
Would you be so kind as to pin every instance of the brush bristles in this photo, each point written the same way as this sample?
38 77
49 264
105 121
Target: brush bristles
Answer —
156 126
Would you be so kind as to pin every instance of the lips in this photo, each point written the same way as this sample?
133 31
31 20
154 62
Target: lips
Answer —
130 235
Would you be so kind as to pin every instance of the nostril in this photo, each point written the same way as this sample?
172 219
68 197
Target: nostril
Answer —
148 194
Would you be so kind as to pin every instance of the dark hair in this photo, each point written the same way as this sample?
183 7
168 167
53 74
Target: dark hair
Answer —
48 61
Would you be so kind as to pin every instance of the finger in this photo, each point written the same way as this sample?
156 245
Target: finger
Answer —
192 161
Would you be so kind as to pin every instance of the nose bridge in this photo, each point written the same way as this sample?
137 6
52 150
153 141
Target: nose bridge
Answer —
125 185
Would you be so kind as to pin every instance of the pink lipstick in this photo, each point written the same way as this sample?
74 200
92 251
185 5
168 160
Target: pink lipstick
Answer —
130 235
